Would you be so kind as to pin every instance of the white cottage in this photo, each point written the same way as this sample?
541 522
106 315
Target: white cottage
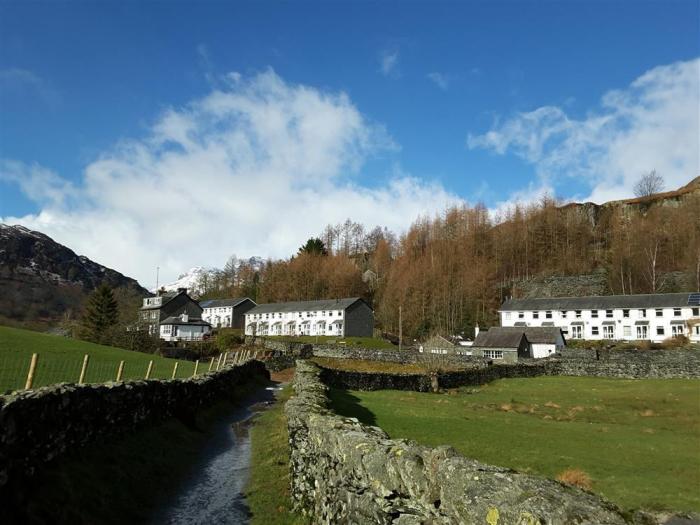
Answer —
226 313
653 317
351 317
184 328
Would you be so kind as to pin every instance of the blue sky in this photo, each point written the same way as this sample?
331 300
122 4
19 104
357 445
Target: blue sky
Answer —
433 103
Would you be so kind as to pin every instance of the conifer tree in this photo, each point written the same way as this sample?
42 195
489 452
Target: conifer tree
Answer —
101 314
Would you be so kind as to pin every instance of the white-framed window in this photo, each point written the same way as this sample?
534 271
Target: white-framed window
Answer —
493 354
577 332
578 314
642 331
677 329
506 315
627 331
609 332
696 312
521 315
626 312
563 314
608 313
697 329
660 330
676 312
594 314
594 330
659 312
548 314
535 315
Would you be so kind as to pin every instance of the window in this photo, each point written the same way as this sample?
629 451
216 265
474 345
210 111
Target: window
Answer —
577 332
625 312
507 315
493 354
676 312
563 314
521 315
535 315
548 314
659 312
594 313
659 330
677 329
594 330
697 329
627 331
578 314
642 312
642 332
609 332
696 312
608 313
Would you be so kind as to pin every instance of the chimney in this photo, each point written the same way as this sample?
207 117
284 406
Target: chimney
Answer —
476 330
185 317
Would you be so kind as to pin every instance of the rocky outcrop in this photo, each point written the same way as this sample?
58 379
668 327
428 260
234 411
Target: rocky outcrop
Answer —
345 472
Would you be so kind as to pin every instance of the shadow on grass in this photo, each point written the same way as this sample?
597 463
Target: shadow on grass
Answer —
344 403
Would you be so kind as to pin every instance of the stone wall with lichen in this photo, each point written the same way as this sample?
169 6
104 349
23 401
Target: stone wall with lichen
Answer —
37 426
345 472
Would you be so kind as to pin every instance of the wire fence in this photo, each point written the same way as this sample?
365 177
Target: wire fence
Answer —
25 371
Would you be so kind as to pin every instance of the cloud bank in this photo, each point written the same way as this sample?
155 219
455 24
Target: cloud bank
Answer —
253 168
652 124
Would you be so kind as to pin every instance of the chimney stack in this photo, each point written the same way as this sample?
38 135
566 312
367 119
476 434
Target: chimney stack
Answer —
476 330
185 317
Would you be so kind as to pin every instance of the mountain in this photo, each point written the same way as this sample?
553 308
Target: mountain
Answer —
194 278
41 279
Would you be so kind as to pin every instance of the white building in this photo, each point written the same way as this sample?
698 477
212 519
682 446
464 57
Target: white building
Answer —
653 317
226 313
350 317
184 328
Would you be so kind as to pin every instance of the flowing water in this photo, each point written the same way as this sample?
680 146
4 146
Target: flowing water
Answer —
214 493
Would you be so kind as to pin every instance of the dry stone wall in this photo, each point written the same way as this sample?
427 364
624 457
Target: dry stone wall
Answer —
345 472
37 426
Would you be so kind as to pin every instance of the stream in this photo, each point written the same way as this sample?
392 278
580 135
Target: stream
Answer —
214 493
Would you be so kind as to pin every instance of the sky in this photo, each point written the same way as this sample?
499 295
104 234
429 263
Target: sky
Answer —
175 134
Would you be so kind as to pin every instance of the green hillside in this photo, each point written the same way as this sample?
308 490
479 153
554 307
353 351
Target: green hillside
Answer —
61 358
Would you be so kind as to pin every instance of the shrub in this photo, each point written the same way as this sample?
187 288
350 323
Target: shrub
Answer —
575 477
228 338
678 341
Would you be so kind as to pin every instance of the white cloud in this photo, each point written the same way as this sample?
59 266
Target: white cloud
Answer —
652 124
253 169
41 185
388 62
16 81
440 80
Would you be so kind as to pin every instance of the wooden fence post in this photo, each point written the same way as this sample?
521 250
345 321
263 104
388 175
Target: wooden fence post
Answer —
83 371
120 370
149 369
175 370
225 358
196 366
32 370
211 364
218 361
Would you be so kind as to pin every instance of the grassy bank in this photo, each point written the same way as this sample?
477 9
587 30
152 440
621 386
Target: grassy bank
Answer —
379 367
363 342
61 358
268 490
637 439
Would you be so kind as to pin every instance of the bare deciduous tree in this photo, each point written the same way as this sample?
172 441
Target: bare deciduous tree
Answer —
649 184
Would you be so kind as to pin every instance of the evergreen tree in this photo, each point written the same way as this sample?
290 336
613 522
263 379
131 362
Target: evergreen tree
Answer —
101 314
314 246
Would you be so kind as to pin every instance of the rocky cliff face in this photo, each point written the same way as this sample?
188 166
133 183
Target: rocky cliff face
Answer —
40 279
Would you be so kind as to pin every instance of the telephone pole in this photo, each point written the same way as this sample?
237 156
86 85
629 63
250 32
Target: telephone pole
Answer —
400 330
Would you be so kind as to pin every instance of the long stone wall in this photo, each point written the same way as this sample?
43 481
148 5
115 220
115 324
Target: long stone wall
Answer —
39 425
345 472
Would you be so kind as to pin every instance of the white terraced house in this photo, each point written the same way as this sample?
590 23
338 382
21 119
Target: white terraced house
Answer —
226 313
652 317
350 317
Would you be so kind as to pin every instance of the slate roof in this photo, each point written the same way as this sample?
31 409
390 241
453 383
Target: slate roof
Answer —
220 303
167 297
534 334
177 320
496 337
599 302
305 306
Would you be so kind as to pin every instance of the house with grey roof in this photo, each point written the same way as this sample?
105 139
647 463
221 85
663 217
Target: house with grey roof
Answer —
652 317
350 317
540 341
184 328
158 308
501 345
226 313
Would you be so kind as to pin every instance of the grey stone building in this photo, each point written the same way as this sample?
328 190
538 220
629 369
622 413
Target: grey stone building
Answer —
157 309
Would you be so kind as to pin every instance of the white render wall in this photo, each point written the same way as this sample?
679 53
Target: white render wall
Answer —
316 322
218 316
183 332
624 328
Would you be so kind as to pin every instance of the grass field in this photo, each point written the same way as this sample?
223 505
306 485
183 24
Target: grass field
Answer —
639 440
383 367
267 493
61 358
